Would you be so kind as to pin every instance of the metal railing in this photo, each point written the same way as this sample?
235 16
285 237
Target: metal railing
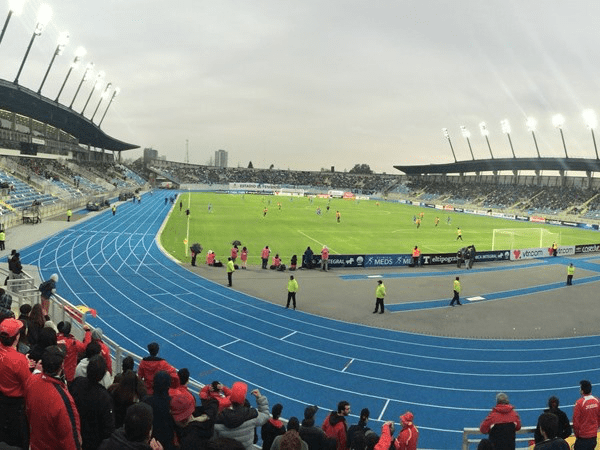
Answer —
472 436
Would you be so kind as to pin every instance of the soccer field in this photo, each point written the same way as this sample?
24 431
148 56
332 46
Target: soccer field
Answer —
366 227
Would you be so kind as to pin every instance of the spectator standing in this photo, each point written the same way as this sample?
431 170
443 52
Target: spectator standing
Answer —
564 426
314 436
325 258
136 433
163 428
230 270
292 288
94 405
51 411
265 256
548 425
238 421
335 425
586 418
217 391
96 336
501 424
456 290
387 435
273 428
14 375
92 349
408 438
73 347
151 365
15 268
47 289
291 438
128 391
570 273
379 296
360 427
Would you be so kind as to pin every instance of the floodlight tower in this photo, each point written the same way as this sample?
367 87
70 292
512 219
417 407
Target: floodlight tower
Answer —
97 84
104 94
447 136
79 53
558 121
467 134
44 16
14 7
63 40
115 93
86 76
506 130
485 132
589 116
531 124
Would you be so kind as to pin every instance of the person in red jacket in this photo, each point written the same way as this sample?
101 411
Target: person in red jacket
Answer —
73 347
51 411
409 436
586 418
218 391
14 375
335 425
387 433
497 423
151 365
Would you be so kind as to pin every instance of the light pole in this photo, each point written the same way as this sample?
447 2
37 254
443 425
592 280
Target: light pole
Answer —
115 93
589 116
531 124
447 136
63 40
467 134
558 121
506 130
14 7
44 16
79 53
104 94
484 132
97 84
86 76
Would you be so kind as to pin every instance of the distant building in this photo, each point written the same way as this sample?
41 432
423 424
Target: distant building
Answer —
221 158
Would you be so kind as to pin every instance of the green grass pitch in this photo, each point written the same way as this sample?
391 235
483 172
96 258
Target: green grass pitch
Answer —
366 227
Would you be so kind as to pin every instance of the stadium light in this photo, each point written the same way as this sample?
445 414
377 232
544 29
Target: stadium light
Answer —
447 136
86 76
506 130
97 84
115 93
591 121
63 40
558 121
102 97
467 134
14 7
79 53
531 124
44 16
485 133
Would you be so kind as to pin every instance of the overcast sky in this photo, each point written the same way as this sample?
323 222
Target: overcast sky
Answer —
312 84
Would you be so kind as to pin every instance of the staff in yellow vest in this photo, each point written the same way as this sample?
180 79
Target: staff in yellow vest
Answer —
570 273
69 214
292 288
2 238
456 287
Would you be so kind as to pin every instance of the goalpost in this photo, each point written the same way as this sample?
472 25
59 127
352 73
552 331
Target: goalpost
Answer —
510 238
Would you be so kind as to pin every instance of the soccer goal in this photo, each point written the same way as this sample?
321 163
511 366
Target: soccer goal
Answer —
510 238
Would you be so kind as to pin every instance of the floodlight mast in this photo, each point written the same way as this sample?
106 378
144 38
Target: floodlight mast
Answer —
531 124
589 116
506 130
97 84
484 132
467 134
115 93
101 98
63 40
558 121
14 7
86 76
79 53
447 136
44 16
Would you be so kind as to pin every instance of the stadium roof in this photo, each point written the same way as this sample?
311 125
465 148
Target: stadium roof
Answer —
492 165
27 103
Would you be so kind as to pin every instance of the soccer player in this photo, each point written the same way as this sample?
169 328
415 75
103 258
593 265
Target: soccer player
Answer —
437 221
265 211
338 216
458 234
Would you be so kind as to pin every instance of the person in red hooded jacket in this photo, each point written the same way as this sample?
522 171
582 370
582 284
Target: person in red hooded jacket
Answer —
151 365
218 391
335 425
503 413
73 346
409 436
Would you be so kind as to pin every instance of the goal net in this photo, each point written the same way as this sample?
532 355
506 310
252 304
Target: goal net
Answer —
510 238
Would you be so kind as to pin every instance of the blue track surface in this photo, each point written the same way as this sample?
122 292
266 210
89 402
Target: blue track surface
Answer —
113 264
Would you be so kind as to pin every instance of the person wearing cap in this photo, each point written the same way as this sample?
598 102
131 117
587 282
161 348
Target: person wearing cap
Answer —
314 436
273 428
195 425
501 423
151 365
586 418
335 425
360 427
73 347
96 336
94 404
51 411
136 434
325 258
14 375
408 437
219 392
291 438
238 421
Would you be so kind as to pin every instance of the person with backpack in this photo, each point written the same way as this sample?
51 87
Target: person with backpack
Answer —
47 288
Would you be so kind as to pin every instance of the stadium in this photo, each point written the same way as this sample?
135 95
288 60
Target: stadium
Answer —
520 330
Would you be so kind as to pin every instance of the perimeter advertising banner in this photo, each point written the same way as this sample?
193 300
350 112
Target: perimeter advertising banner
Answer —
540 252
340 261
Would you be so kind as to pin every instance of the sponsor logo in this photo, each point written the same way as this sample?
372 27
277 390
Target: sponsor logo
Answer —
554 222
525 218
587 248
537 219
570 224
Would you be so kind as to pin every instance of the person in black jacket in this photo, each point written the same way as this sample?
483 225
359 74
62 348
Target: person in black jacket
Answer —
360 427
313 435
163 424
564 426
273 428
136 433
